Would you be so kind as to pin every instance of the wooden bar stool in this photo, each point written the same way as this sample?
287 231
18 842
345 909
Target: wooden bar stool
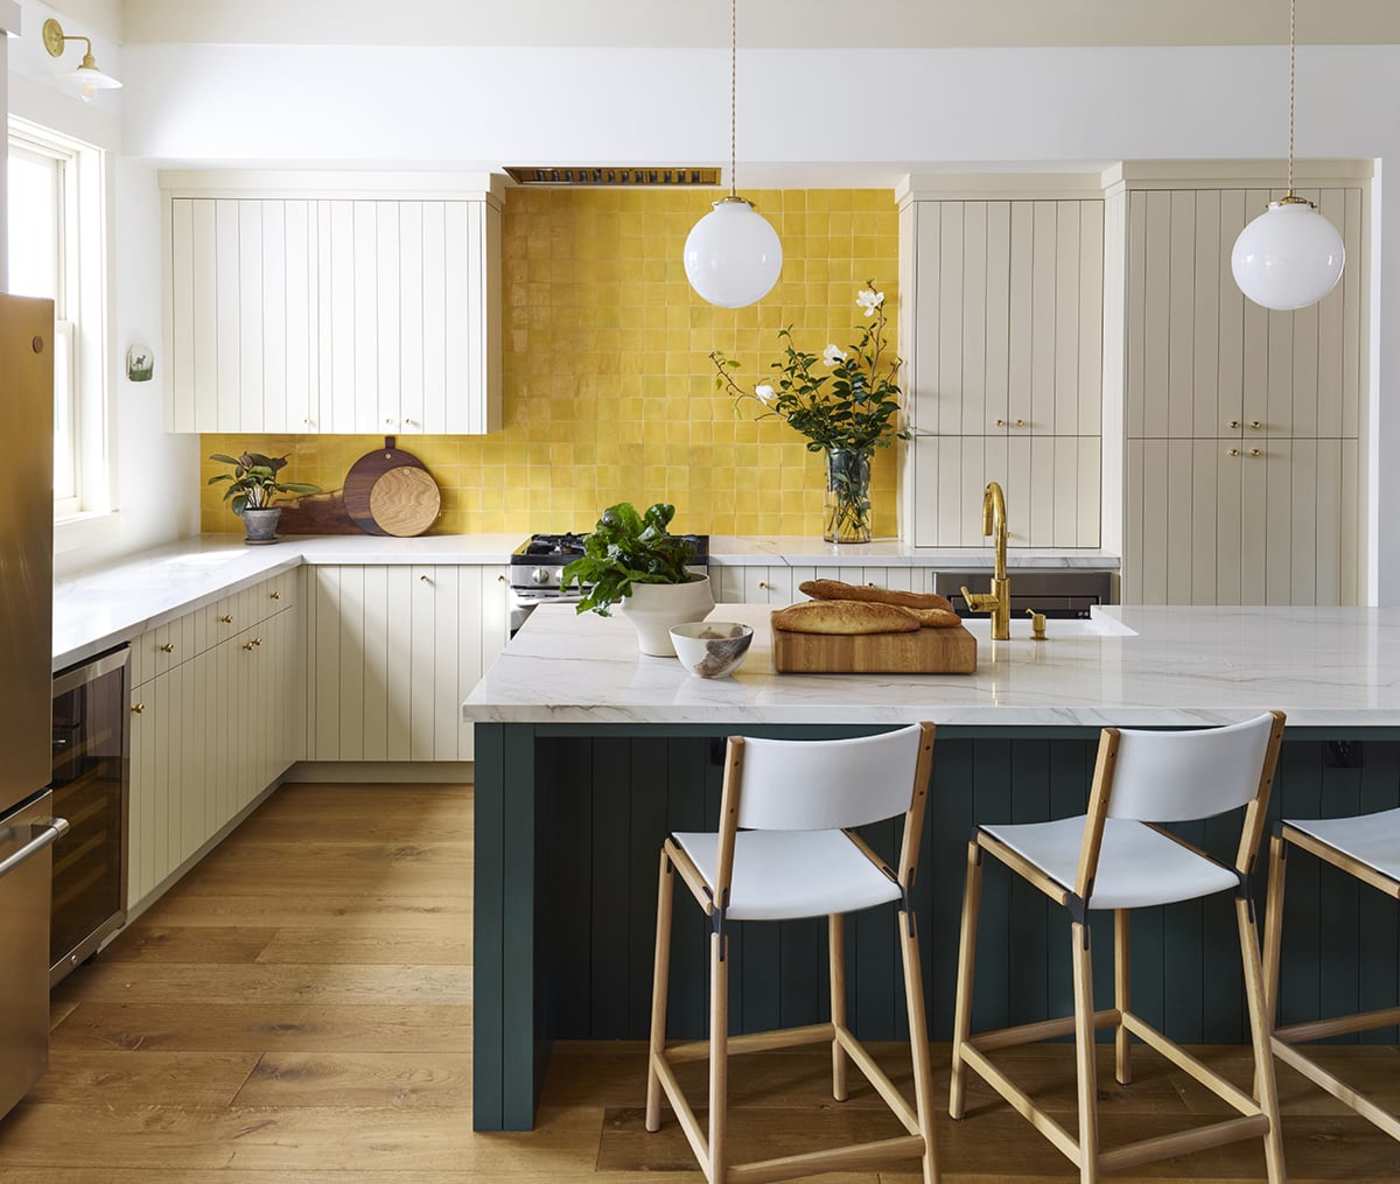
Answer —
794 858
1367 847
1118 857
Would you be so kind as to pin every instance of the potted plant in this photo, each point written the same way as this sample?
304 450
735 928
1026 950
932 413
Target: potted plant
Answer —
630 560
253 487
847 414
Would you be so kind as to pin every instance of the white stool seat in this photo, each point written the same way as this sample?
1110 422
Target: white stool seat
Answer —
1372 839
783 874
1138 867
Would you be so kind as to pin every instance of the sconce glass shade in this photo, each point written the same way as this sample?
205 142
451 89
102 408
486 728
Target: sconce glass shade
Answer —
88 80
1289 257
732 255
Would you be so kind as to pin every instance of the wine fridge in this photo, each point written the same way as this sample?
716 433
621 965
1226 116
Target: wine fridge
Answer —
89 787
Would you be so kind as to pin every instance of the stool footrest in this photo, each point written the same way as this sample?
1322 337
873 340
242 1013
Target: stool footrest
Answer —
1183 1060
699 1050
1020 1101
1038 1031
1342 1025
1232 1130
852 1158
1319 1076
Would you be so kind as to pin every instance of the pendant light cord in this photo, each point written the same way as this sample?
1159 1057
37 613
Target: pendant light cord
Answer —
1292 85
733 91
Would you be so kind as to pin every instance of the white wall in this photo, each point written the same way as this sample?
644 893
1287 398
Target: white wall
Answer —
154 475
864 115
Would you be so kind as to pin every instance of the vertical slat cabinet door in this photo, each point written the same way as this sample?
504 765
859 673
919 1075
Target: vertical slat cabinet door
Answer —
338 289
1067 253
137 803
300 327
471 607
1218 469
389 319
323 418
1331 316
1090 316
1254 521
1007 461
352 663
249 313
410 288
204 327
1206 314
274 318
1277 463
375 644
1044 249
1089 507
1181 314
973 480
1021 301
181 394
458 310
1130 571
1135 319
495 614
228 301
997 318
435 324
949 491
973 412
325 726
1042 492
1306 512
422 665
447 661
950 313
1257 345
364 349
1179 521
925 498
1156 314
398 732
1066 491
1203 510
1230 302
1155 523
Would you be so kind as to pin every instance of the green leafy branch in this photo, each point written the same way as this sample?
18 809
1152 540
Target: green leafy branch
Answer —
627 548
253 484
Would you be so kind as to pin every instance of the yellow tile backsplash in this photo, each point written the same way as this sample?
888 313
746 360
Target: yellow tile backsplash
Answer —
609 392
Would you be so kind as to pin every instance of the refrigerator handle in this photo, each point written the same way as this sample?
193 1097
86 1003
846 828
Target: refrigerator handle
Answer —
48 833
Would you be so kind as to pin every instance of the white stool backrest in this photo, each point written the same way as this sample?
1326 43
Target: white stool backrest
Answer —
1183 776
827 784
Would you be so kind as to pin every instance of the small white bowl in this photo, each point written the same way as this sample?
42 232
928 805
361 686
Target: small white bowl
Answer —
712 649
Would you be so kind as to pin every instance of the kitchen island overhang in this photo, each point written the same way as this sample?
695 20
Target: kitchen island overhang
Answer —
588 754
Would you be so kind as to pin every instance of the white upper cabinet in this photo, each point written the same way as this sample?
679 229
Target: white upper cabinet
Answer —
333 303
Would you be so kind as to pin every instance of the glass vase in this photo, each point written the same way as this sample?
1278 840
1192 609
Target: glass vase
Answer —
847 505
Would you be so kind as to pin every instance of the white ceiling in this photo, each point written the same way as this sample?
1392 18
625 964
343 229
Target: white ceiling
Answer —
773 24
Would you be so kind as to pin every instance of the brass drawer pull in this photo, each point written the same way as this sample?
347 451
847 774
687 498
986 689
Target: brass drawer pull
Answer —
274 596
1232 452
1233 424
425 579
1256 452
257 641
137 708
763 584
500 579
1015 423
247 645
167 648
1255 424
226 619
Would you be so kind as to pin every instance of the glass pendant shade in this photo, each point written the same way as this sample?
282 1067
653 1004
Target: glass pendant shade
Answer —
1289 257
732 255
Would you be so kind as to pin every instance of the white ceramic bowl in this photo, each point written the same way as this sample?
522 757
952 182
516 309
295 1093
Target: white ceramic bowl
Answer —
711 649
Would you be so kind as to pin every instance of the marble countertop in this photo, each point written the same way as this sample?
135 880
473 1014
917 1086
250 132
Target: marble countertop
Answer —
105 606
1145 666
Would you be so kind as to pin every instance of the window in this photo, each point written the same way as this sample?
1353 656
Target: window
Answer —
49 177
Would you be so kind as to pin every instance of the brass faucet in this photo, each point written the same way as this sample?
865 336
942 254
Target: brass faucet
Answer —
997 602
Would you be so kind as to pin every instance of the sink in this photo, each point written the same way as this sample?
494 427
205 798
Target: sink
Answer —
981 628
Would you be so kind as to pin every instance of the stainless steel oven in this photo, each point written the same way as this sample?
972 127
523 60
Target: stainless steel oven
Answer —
89 786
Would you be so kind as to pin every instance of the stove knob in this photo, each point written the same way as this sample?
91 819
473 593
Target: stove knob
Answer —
540 575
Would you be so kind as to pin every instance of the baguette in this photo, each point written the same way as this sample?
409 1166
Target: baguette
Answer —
845 617
837 590
935 618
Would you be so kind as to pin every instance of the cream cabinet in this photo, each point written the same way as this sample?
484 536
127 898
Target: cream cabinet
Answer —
1242 462
332 303
1002 335
393 650
214 722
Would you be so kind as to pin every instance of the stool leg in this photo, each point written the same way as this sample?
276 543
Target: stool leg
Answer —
1266 1088
918 1041
719 1057
967 958
1122 994
660 981
836 939
1273 925
1084 1055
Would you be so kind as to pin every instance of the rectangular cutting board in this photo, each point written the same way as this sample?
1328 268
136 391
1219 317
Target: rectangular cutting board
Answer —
927 651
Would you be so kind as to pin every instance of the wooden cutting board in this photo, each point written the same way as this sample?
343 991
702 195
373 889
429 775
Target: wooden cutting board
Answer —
360 480
927 651
405 501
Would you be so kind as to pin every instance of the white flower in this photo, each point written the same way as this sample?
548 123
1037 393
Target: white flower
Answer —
832 356
764 393
870 300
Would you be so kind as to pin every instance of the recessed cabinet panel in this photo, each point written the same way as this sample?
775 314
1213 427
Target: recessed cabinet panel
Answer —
333 314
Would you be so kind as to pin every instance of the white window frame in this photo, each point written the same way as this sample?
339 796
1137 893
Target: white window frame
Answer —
81 311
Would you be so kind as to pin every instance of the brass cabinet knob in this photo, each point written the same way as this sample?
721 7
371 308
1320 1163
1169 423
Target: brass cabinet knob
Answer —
425 579
1255 424
1001 423
501 579
763 583
412 423
167 648
1233 424
1232 452
1015 423
274 596
248 645
257 641
226 619
137 708
1256 452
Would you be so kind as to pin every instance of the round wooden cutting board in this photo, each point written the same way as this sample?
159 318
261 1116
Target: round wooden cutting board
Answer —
405 501
359 481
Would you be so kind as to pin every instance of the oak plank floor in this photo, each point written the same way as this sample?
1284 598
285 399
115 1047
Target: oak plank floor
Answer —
298 1011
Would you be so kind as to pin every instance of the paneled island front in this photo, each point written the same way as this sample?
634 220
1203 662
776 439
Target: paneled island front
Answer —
589 754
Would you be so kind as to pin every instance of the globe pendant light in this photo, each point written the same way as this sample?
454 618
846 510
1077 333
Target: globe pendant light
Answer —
732 255
1290 256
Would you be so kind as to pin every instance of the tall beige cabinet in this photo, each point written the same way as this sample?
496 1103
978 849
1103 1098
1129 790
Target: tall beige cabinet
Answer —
1241 461
1002 337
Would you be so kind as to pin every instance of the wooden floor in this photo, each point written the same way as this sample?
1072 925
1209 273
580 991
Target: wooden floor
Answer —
297 1011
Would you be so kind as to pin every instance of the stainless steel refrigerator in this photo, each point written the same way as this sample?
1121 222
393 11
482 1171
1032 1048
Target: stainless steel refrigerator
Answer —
27 826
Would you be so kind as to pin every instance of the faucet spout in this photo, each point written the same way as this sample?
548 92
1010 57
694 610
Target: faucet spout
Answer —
994 524
997 602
